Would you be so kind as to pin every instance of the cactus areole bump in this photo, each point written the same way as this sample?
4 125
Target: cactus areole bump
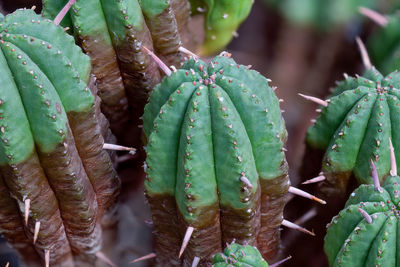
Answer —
58 177
365 232
355 125
237 255
214 160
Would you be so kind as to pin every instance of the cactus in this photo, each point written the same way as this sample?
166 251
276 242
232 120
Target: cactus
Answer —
384 45
215 161
59 178
355 124
222 18
364 233
238 256
135 24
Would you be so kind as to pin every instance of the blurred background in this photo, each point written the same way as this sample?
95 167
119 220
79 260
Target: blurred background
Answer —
303 47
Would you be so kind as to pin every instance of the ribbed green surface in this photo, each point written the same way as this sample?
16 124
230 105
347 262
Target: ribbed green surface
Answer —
208 126
352 241
361 116
42 80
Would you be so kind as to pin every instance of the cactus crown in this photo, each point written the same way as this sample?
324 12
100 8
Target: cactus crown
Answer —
31 57
237 255
356 124
365 232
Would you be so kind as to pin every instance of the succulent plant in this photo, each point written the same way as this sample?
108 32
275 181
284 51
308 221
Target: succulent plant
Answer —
215 160
222 18
239 256
364 233
384 45
134 24
354 125
56 179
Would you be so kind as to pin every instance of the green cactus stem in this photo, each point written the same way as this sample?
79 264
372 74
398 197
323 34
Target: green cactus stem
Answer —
210 130
222 18
239 256
51 149
364 233
355 124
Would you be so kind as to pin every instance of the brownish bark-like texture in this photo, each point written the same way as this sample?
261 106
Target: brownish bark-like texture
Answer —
167 238
181 9
242 225
77 199
206 237
27 180
114 103
166 38
97 163
273 199
13 230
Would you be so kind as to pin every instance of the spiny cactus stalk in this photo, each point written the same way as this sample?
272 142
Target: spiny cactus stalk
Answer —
222 18
59 180
384 45
355 124
238 255
365 232
216 170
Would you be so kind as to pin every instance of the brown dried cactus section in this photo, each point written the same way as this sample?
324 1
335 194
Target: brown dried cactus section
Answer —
96 161
75 194
206 240
110 86
165 220
273 200
13 230
26 180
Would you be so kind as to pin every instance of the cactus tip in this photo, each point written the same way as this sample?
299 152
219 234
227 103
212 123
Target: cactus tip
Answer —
188 234
393 165
36 232
375 177
366 216
119 148
315 100
364 54
374 16
33 8
188 52
104 258
27 209
47 257
145 257
296 227
63 12
281 261
317 179
304 194
196 261
159 62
